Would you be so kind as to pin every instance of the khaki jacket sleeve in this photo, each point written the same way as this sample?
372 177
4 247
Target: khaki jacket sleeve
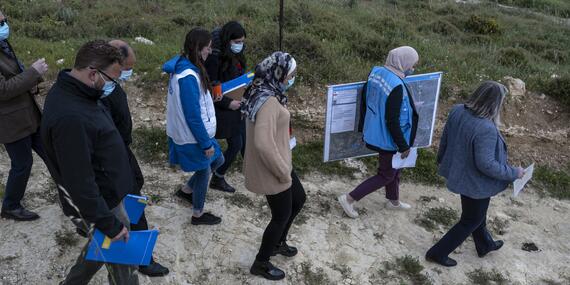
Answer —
19 84
265 129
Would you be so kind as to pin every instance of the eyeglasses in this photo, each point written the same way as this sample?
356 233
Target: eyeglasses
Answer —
105 74
3 22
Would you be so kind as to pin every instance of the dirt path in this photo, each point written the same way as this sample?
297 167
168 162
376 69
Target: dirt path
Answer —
333 248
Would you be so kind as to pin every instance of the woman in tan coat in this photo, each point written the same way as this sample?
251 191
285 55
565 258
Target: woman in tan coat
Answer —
267 164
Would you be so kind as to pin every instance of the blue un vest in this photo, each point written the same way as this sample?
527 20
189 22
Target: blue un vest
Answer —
381 82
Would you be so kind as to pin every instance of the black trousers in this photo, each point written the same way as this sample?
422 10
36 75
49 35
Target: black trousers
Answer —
473 222
235 144
21 160
284 206
142 225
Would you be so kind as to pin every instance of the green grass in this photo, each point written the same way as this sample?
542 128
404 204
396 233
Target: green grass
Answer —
150 144
554 182
411 267
560 8
425 171
308 157
434 217
483 277
334 41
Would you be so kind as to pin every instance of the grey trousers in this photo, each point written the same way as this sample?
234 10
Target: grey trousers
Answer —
119 274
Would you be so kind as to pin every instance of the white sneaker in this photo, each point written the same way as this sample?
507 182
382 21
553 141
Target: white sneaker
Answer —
401 206
347 207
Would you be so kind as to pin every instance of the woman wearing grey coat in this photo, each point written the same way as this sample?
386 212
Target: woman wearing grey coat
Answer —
473 158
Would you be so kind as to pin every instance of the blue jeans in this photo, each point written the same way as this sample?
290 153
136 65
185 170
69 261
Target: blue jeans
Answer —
199 184
21 160
473 222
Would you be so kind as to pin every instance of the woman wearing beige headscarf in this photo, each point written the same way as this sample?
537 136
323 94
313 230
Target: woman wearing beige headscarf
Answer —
390 126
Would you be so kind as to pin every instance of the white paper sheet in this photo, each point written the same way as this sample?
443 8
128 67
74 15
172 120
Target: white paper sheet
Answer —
292 142
519 184
409 161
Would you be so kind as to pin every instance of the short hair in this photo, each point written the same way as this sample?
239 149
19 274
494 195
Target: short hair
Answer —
487 100
97 54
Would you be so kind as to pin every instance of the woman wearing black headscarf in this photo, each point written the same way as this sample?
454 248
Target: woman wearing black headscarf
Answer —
227 62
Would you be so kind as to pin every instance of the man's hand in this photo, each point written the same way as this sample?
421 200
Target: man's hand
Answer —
40 66
123 235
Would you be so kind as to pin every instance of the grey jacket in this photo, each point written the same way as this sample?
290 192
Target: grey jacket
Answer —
473 156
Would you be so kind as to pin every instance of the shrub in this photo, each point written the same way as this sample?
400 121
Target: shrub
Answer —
513 57
482 26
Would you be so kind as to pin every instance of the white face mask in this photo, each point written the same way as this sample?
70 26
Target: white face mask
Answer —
290 83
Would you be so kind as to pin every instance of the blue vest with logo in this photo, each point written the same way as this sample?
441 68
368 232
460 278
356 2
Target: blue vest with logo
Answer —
381 82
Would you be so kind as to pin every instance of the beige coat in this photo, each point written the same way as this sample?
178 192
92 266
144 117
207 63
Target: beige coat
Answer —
19 112
267 164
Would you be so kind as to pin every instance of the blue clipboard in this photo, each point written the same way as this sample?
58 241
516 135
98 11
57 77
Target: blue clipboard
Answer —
236 83
134 206
137 251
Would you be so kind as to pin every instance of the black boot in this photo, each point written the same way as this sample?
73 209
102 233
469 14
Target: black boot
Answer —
498 245
219 183
19 214
284 249
266 270
154 269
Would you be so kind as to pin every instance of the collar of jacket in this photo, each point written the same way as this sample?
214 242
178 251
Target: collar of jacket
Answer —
77 87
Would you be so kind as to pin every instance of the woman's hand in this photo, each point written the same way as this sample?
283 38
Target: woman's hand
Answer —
209 152
520 172
235 105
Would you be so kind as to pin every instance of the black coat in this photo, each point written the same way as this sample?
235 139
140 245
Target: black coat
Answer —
118 106
228 121
85 153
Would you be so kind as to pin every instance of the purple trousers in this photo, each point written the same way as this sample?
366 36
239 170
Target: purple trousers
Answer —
387 176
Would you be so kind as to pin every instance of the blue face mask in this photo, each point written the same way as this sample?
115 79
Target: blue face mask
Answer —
4 32
290 83
108 87
126 74
409 72
236 48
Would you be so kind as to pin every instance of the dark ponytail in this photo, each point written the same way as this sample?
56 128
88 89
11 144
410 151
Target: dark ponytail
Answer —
196 40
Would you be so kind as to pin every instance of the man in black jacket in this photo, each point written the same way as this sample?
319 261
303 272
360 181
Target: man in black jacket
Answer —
118 106
86 155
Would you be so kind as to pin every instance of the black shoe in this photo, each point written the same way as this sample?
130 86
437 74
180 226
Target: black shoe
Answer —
206 219
285 250
19 214
447 262
185 196
219 183
498 245
266 270
154 269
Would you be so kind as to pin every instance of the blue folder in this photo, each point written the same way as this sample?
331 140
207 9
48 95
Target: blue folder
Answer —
137 251
236 83
134 205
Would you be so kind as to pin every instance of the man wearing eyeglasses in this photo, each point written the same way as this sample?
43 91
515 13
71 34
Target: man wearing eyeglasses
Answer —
20 118
86 154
